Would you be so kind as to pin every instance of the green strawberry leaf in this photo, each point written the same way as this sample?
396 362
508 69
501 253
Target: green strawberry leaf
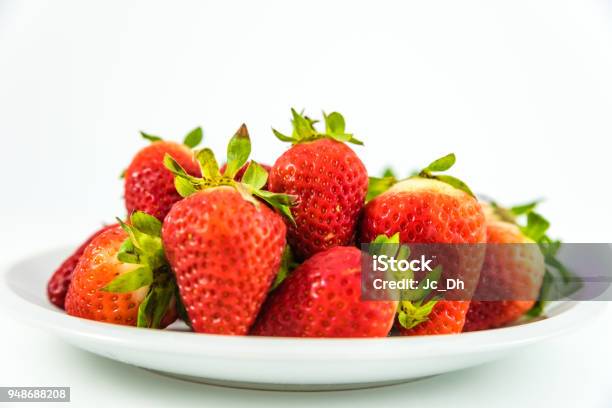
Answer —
411 309
282 137
193 138
334 123
208 164
174 167
281 202
353 140
184 187
383 239
144 248
127 253
441 164
411 314
255 176
288 264
380 245
163 296
305 131
253 180
335 128
455 182
238 151
146 223
524 208
144 310
302 126
388 172
503 214
131 234
130 281
536 226
178 171
150 138
378 185
126 257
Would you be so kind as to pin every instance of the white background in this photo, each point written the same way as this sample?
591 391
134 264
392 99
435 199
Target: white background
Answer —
521 91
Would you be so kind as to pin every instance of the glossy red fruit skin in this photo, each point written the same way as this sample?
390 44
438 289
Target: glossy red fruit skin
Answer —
149 186
513 272
427 212
331 184
97 267
484 315
321 298
240 173
424 216
225 252
57 287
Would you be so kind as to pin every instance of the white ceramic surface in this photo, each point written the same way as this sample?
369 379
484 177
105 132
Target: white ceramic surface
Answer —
275 363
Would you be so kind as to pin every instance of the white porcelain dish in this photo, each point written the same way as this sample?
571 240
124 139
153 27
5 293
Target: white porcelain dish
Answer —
275 363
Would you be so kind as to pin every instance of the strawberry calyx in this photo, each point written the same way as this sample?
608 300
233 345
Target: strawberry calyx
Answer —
558 280
442 164
378 185
144 248
411 314
251 185
305 131
415 305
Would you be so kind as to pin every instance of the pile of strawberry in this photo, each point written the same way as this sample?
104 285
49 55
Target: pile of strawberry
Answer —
250 249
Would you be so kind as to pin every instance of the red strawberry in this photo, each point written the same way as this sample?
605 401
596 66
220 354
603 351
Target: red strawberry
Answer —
238 176
321 298
57 287
149 186
427 209
123 277
329 180
224 245
512 272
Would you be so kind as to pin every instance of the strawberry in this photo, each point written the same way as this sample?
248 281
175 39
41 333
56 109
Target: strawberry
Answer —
430 208
322 298
329 180
240 173
57 287
518 261
223 243
149 186
123 277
